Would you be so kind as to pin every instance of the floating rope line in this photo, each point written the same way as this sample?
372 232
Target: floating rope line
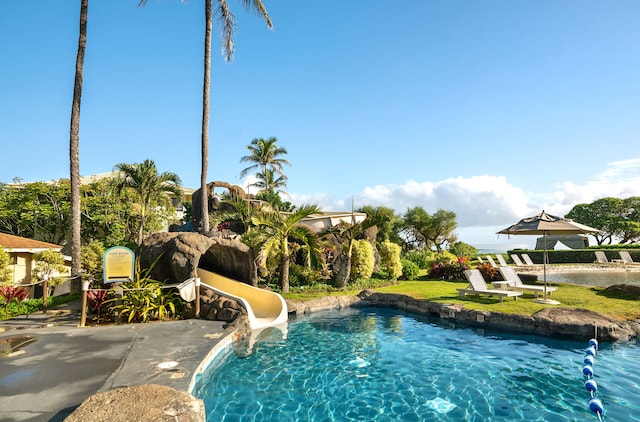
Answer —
595 405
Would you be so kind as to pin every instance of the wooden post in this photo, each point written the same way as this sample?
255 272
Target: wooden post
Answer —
83 310
198 297
45 293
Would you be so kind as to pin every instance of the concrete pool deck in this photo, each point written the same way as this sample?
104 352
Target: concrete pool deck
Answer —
61 364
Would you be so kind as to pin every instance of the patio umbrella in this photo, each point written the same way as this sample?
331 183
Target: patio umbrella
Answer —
546 224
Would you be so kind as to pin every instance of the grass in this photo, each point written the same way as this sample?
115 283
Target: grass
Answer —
32 305
569 296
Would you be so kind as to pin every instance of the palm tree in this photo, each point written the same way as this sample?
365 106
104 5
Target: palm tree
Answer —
74 145
148 185
265 155
228 26
270 182
277 229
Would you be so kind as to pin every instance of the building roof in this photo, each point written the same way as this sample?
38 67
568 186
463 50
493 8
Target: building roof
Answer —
13 243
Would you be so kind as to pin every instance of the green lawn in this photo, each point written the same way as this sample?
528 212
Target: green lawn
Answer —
569 295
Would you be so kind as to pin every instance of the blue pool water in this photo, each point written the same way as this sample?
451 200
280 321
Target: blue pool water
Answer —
365 364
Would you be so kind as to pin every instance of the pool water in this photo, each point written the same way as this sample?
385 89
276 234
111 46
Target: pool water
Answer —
369 364
593 278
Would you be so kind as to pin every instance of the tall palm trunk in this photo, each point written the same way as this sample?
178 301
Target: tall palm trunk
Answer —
74 146
205 117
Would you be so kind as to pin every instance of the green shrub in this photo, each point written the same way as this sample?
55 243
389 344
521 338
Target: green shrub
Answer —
410 270
390 259
463 249
421 258
362 260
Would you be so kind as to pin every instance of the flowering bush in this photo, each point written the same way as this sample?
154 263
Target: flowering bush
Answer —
13 292
450 270
488 271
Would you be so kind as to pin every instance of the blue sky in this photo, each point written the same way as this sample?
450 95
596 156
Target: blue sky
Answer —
492 109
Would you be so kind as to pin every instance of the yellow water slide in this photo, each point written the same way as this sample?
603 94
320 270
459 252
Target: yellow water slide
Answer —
264 308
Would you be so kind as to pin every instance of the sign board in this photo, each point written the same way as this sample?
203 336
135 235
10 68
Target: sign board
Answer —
118 264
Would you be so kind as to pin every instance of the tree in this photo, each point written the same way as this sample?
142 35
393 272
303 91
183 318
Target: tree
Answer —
74 145
149 187
387 221
604 214
47 264
269 181
276 230
265 156
5 271
228 27
422 230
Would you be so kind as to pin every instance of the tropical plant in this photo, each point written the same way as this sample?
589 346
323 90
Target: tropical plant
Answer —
149 186
97 299
13 292
228 26
274 230
450 270
265 156
74 144
269 181
349 232
488 271
144 299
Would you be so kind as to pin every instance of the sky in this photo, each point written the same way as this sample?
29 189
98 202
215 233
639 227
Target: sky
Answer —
492 109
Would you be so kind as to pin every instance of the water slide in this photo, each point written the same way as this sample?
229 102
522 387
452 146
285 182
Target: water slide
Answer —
264 308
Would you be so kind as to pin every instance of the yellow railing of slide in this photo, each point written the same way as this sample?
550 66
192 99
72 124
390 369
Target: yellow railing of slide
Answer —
264 308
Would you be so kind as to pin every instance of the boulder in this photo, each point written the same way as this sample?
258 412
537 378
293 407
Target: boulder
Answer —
150 402
179 254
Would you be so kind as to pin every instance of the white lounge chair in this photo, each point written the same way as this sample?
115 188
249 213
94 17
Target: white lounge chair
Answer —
477 286
480 260
527 259
516 260
626 258
509 274
491 261
501 260
601 258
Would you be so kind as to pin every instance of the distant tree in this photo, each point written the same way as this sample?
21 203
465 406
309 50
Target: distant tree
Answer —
149 186
387 221
265 155
276 230
630 230
604 214
463 249
421 230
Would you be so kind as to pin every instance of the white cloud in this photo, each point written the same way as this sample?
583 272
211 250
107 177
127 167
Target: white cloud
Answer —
486 204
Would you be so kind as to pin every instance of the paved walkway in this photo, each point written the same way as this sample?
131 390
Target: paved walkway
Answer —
49 365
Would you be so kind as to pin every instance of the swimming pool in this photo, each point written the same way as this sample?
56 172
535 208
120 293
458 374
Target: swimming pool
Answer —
366 364
593 278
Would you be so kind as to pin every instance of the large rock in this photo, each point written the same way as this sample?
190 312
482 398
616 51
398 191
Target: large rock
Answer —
150 402
569 323
179 254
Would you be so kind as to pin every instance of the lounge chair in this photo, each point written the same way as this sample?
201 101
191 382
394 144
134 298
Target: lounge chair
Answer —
480 260
601 258
527 260
491 261
477 286
501 260
509 274
516 260
626 258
